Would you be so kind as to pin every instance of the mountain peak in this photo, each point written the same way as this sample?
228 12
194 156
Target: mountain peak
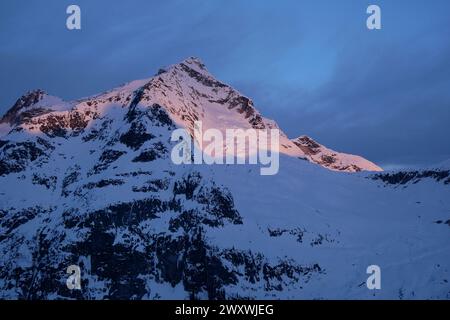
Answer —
195 62
193 66
24 102
33 103
30 98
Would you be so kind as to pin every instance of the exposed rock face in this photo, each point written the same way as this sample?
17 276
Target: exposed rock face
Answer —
14 116
413 176
31 105
331 159
15 157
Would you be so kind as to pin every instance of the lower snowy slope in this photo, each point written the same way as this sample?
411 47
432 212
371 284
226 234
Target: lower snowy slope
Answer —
99 190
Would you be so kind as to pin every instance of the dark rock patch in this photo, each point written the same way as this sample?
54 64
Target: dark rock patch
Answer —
136 136
158 150
404 177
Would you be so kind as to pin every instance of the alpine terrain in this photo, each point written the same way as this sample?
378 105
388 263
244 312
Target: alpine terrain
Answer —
91 183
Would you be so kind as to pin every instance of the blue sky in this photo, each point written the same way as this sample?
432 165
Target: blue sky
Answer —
313 66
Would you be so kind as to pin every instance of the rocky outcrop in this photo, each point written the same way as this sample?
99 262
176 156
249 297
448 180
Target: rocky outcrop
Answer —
331 159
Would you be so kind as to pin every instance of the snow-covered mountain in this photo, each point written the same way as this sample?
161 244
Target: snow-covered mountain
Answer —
91 183
188 93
